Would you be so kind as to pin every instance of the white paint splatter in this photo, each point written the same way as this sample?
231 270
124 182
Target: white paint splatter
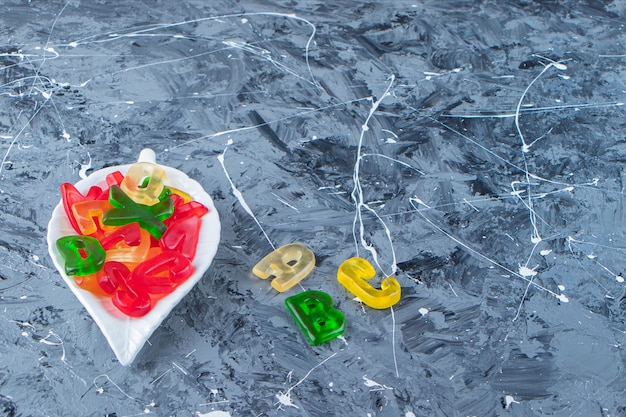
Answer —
414 200
100 388
358 197
393 341
57 342
216 413
563 298
508 400
284 398
526 271
239 196
423 311
84 167
374 385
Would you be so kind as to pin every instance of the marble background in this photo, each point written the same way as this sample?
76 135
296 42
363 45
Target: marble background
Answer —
473 150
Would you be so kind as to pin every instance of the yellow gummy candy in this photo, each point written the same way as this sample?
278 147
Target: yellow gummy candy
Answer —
289 265
353 274
144 183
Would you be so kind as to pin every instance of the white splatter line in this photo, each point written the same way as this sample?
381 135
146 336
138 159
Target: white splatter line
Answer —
37 78
393 340
357 198
357 193
112 36
100 389
284 398
524 271
374 385
256 126
488 114
59 342
415 200
239 196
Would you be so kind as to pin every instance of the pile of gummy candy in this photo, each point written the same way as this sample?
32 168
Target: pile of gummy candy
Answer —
136 237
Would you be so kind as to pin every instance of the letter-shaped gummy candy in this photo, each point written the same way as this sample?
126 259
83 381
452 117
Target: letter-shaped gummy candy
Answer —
317 318
353 274
128 243
71 196
127 211
289 265
182 236
114 274
132 303
161 273
83 255
86 212
144 182
90 283
183 210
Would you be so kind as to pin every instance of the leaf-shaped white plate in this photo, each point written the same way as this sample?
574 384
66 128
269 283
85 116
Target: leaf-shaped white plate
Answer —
127 335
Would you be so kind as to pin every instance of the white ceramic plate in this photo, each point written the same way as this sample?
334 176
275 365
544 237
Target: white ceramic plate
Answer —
127 335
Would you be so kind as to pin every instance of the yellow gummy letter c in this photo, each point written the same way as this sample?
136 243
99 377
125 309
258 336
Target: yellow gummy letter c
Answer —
354 273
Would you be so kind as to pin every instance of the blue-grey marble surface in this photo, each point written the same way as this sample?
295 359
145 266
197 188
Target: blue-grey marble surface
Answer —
472 149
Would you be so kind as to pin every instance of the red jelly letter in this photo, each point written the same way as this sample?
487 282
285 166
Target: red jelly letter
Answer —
161 273
182 236
132 303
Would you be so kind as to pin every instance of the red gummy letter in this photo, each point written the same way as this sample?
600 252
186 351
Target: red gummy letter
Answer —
161 273
182 236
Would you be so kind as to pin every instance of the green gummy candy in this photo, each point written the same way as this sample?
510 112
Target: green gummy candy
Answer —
83 255
315 315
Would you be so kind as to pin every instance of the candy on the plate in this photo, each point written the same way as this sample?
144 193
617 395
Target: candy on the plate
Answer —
83 255
125 249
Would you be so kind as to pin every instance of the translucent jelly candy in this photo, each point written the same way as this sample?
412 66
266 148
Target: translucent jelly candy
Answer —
144 182
186 197
137 238
126 211
353 274
89 214
90 283
83 255
315 315
289 265
182 236
182 209
129 234
71 196
114 178
161 273
130 301
128 243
